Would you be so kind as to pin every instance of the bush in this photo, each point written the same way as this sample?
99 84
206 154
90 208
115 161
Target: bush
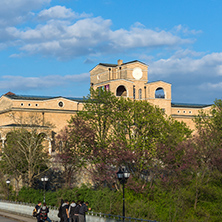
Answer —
153 204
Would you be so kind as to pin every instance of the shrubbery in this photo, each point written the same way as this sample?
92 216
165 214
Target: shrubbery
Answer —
155 204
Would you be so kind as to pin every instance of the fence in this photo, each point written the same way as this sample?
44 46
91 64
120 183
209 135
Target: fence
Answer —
26 210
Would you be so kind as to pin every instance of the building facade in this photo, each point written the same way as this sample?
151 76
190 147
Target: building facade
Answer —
129 80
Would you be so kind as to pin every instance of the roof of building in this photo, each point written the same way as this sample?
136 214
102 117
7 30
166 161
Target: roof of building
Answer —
107 64
158 81
190 105
30 97
115 65
23 125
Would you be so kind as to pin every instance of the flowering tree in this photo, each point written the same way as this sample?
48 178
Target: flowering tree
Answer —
112 131
71 143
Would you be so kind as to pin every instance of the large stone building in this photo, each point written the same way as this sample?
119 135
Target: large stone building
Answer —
131 80
123 79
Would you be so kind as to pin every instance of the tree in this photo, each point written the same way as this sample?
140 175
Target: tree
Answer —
24 155
125 132
71 143
209 124
194 162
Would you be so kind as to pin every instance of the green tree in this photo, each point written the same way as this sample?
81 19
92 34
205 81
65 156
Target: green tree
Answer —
24 155
208 145
142 126
194 163
125 132
209 124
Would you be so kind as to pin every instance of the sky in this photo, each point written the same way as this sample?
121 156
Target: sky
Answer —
48 47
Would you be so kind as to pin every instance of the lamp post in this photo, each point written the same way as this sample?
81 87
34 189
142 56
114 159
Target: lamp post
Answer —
123 174
44 180
8 183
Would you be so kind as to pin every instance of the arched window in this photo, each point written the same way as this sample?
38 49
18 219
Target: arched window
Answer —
140 93
160 93
121 91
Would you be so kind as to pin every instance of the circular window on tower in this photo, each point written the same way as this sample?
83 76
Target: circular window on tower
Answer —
61 104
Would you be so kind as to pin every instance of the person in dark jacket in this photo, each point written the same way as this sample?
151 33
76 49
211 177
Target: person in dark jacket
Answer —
65 211
44 210
72 211
82 211
76 213
60 210
38 207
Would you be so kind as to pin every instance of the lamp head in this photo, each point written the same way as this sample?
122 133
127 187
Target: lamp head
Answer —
123 174
44 179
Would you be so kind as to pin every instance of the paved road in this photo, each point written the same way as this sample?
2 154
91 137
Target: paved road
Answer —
8 217
5 219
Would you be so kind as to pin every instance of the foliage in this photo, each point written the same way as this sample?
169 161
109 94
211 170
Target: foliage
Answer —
24 156
123 132
209 124
156 204
70 151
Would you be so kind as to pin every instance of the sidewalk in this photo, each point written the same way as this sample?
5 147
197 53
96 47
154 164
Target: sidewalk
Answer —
17 217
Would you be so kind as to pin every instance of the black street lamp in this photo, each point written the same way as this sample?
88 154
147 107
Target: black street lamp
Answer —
123 174
8 183
44 180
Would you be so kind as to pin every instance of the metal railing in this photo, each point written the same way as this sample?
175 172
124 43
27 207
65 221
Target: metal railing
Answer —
118 217
27 208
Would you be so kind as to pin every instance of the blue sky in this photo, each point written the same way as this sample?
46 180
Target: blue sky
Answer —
47 47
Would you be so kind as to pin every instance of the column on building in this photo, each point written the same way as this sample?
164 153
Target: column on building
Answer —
50 145
3 141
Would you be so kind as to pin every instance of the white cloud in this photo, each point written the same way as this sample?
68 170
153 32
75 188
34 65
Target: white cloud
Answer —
42 33
32 83
194 77
16 11
207 65
89 36
185 30
60 12
65 34
211 86
57 12
219 69
187 53
142 37
24 5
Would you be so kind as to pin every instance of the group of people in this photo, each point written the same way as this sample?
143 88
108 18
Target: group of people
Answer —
74 212
42 212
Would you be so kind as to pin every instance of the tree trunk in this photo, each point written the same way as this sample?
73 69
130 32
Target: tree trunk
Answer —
196 196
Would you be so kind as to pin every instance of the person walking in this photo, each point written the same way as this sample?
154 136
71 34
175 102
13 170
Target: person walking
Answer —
65 211
82 211
44 210
38 207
